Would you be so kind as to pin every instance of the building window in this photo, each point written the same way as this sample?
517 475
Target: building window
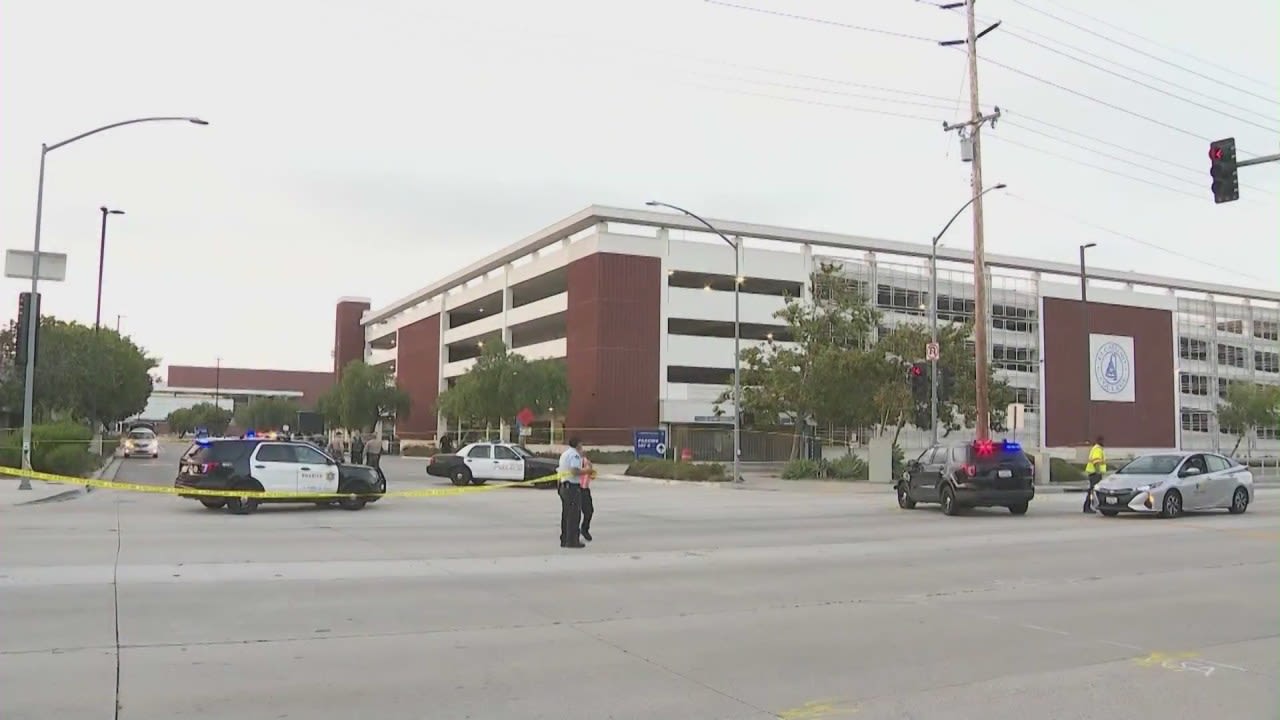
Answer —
954 309
1195 421
909 302
1194 384
1019 359
1026 396
699 375
1268 433
1266 329
1012 318
1224 385
1232 355
1233 327
1266 361
1192 349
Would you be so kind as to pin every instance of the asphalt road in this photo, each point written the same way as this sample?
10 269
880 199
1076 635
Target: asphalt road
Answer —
693 602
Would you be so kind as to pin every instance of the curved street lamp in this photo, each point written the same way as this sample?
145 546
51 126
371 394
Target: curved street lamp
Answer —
737 335
32 318
933 317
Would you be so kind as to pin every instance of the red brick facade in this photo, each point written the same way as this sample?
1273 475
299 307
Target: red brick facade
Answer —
613 338
348 334
418 374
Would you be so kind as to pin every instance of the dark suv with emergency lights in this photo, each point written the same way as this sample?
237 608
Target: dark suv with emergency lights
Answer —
976 474
300 471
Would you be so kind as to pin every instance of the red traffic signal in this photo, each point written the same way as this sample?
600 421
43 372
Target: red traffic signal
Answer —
916 370
1222 170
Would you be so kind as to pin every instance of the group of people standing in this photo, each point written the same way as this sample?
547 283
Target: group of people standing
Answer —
359 451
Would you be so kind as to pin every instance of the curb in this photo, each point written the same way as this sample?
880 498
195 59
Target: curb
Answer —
73 493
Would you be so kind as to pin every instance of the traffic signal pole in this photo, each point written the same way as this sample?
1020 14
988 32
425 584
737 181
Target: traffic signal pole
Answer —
1258 160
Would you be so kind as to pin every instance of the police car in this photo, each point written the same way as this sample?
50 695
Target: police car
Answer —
258 464
478 463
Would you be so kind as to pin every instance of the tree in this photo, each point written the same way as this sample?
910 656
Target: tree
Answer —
82 374
500 384
1248 407
826 371
201 415
268 413
957 386
362 397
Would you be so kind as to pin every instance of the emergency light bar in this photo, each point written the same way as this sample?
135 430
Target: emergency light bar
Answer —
985 447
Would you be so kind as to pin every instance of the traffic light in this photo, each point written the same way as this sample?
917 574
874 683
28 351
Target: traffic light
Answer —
21 351
1222 168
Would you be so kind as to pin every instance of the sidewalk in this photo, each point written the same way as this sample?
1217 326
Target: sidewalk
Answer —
46 492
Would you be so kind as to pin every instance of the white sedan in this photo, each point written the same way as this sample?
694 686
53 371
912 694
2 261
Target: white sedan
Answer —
1168 484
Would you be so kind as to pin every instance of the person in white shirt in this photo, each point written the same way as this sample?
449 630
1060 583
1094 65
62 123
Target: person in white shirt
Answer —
570 485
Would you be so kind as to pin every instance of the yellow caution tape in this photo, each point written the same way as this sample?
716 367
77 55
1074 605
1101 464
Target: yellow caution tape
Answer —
198 492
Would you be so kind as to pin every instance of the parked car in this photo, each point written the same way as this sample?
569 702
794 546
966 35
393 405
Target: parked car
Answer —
974 474
1167 484
140 441
478 463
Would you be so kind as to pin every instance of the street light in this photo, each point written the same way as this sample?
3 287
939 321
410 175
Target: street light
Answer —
102 252
737 334
33 319
1088 353
933 314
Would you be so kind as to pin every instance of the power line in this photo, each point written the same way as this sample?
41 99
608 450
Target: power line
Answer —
1107 170
823 21
802 101
1235 271
1153 56
1272 127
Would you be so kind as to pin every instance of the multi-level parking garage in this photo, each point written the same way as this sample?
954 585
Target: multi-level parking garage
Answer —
640 306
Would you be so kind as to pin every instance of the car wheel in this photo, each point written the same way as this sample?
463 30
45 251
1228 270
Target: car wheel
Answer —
214 504
155 456
241 506
479 481
1110 513
1172 506
1019 508
460 477
352 503
904 500
1239 501
948 500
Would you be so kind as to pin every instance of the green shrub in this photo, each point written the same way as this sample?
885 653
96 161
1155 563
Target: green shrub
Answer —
671 470
61 448
847 467
1061 471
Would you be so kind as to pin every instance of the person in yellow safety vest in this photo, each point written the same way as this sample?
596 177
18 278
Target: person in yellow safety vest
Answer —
1095 469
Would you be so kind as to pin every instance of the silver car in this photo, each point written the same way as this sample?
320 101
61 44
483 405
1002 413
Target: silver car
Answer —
1170 483
141 442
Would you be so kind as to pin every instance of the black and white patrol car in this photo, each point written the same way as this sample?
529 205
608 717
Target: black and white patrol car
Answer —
256 464
478 463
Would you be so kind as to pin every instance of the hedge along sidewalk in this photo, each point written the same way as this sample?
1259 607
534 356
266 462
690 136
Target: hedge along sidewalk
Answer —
44 492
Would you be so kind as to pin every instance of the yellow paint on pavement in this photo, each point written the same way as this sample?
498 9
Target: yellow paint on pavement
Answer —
818 710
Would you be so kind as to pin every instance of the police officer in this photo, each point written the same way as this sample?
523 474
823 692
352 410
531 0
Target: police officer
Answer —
570 485
1095 468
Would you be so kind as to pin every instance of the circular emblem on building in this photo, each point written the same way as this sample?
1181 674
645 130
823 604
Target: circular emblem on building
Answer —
1111 368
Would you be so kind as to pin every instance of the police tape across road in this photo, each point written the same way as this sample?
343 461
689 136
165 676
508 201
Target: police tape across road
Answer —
277 494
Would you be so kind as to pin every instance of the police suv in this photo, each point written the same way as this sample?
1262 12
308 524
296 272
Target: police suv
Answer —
478 463
976 474
259 464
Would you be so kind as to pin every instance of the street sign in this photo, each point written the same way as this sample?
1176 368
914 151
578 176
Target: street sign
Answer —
651 443
932 351
21 263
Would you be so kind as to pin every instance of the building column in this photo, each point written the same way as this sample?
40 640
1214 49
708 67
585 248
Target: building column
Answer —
442 358
806 259
872 282
664 305
504 427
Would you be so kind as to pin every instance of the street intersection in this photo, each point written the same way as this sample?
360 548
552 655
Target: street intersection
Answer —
693 602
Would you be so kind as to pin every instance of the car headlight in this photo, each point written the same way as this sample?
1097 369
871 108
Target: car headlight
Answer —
1152 486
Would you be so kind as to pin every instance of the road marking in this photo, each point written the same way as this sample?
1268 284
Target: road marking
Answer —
817 710
1184 662
1045 629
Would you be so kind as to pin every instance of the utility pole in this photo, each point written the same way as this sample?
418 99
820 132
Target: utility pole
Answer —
971 132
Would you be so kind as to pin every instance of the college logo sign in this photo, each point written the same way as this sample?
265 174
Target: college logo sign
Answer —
1111 368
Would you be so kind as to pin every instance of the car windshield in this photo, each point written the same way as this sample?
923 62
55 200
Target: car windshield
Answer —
522 451
141 435
1151 465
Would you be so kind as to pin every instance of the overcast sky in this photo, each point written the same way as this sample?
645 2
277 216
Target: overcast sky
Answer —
368 148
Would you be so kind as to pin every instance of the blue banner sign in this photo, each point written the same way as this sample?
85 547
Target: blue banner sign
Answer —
651 443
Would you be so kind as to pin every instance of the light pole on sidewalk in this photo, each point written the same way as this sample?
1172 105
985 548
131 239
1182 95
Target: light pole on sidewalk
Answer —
102 254
737 334
933 310
28 395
